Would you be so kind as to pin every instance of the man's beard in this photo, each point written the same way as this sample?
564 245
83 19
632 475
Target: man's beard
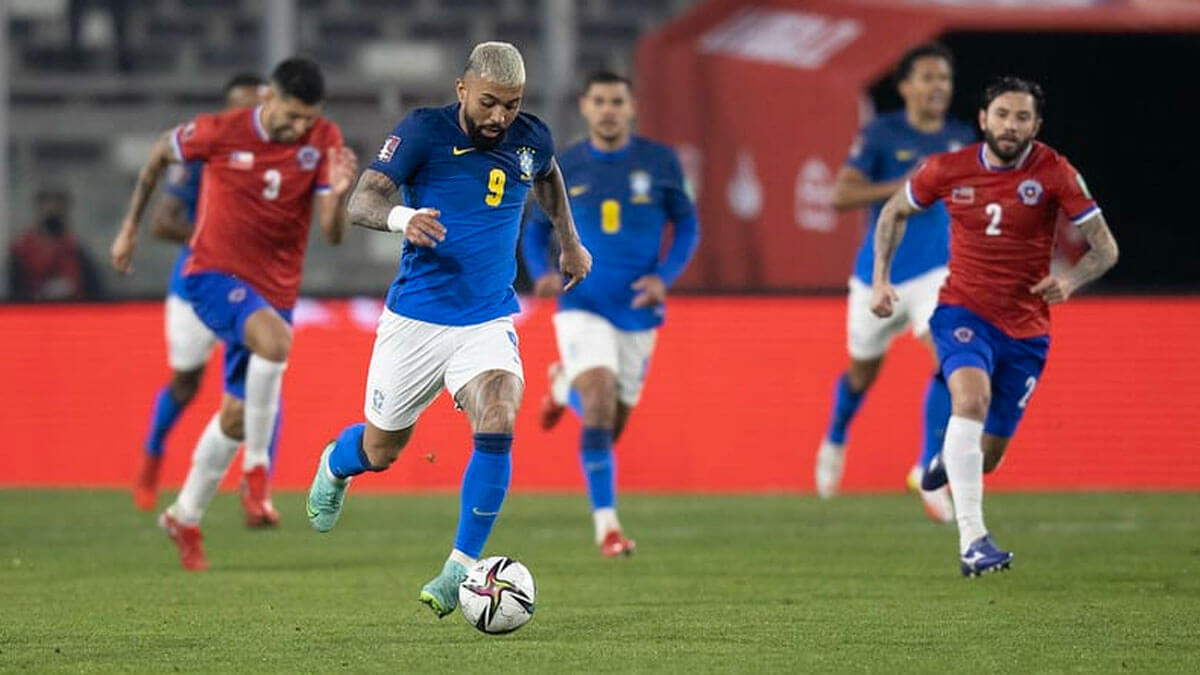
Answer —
475 132
993 144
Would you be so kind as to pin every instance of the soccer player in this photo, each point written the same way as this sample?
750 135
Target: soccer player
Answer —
624 191
189 341
887 149
465 170
264 169
992 322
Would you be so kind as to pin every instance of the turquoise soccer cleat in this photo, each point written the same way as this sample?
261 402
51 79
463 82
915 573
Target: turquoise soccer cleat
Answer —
441 593
326 495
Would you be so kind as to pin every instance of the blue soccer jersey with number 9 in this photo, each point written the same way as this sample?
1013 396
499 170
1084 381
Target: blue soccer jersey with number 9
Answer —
466 279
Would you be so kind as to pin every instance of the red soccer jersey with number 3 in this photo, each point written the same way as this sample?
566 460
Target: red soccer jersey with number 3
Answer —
256 198
1002 223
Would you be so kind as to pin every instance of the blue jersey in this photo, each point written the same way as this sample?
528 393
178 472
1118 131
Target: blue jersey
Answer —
885 150
467 278
621 202
183 183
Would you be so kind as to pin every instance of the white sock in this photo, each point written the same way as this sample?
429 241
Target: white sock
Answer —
264 381
462 558
605 520
214 452
962 454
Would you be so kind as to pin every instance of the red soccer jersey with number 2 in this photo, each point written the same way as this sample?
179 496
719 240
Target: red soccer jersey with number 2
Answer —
1002 223
256 198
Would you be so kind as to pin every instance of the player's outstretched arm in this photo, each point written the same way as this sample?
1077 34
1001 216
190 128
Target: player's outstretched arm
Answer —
889 231
852 189
1099 259
575 262
331 205
126 240
372 205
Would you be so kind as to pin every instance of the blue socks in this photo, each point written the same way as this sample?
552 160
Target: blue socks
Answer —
162 420
598 467
937 414
485 483
348 458
845 405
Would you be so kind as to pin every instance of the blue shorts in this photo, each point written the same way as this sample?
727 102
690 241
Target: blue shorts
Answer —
223 303
966 340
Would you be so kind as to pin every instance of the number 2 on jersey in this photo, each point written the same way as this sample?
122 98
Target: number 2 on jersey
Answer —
610 216
495 195
996 212
273 179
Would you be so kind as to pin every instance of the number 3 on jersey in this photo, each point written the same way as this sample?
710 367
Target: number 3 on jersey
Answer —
495 195
273 178
995 212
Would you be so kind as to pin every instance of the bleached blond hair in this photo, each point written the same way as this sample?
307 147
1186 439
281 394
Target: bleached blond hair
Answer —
497 62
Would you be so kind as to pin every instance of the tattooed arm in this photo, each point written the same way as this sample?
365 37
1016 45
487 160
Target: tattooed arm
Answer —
1098 260
551 193
372 204
125 242
889 231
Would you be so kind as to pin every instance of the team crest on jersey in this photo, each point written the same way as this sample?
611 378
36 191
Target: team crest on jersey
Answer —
963 334
388 149
962 195
639 187
1030 192
308 157
377 400
237 295
241 159
525 161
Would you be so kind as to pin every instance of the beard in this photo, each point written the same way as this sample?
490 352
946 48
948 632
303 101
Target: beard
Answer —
478 139
993 143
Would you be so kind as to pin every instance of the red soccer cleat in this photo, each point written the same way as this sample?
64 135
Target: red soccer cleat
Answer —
615 544
145 488
256 499
188 540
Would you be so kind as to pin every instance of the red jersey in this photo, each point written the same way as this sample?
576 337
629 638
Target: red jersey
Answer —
256 198
1002 225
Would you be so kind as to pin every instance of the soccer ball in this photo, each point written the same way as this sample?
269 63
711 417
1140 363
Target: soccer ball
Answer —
497 595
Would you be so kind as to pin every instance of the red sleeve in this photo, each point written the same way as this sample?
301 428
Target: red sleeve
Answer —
333 140
193 141
1074 198
924 188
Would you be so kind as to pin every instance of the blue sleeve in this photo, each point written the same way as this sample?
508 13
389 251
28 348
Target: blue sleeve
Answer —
183 181
535 241
404 151
682 212
864 152
544 157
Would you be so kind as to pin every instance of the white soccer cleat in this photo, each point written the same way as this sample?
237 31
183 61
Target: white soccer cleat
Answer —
937 503
831 459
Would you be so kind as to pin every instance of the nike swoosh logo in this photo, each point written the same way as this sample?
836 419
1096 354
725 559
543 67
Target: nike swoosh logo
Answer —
577 190
455 149
974 558
485 514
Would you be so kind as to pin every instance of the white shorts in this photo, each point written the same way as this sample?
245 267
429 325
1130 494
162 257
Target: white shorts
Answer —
413 361
189 341
587 341
868 336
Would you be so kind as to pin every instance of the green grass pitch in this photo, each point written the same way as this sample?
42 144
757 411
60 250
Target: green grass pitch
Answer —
1101 583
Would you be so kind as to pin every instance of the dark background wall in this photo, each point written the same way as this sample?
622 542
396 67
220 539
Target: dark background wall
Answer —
1123 109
